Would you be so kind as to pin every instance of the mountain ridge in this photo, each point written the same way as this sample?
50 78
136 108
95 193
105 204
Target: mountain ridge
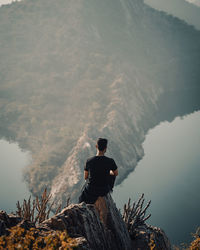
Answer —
74 71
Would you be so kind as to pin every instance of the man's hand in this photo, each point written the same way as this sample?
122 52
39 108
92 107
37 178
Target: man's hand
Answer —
114 172
86 173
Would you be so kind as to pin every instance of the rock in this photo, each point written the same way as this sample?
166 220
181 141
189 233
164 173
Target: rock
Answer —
26 224
82 243
147 236
83 220
99 226
106 231
4 222
116 224
7 221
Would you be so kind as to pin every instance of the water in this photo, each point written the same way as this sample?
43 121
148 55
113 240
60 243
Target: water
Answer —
12 186
168 175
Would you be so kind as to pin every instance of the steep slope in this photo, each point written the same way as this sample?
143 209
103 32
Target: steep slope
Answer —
72 71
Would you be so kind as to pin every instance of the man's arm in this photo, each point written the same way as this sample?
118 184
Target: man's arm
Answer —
113 169
86 173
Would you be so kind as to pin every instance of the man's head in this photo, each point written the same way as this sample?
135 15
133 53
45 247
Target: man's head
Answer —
102 144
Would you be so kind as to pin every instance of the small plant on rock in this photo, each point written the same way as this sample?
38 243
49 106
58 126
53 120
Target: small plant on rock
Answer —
135 215
39 209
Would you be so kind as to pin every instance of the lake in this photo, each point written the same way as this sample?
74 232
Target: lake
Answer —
168 175
12 186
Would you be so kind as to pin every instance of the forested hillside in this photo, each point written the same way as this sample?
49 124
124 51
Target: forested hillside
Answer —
72 71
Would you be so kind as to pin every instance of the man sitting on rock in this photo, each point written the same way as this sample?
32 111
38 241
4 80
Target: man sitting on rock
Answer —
101 171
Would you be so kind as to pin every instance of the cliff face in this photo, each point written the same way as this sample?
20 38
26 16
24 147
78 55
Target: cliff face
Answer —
83 224
72 71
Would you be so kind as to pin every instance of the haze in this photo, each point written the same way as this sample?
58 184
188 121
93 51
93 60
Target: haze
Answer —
72 71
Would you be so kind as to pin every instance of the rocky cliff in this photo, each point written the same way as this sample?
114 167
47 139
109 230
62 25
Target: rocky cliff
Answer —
72 71
85 227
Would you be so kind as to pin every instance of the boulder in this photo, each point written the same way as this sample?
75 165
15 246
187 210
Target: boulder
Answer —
83 220
7 221
149 237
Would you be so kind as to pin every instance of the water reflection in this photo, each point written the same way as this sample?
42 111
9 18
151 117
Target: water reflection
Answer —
169 176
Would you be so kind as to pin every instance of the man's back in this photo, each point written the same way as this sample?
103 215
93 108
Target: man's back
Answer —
99 170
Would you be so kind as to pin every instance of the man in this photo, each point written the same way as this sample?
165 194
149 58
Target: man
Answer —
101 172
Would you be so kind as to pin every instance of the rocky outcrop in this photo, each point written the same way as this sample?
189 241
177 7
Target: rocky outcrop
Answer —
83 220
7 221
147 236
84 224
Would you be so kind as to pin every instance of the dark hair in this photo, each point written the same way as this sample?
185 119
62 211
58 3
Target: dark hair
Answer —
102 144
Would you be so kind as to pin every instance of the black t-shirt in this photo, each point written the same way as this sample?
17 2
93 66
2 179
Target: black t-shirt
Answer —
99 170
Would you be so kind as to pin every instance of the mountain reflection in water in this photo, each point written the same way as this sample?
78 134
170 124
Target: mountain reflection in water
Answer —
169 176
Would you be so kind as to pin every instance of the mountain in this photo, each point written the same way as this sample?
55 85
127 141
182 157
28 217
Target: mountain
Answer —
73 71
186 10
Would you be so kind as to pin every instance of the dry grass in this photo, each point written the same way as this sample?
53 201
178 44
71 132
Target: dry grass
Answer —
37 210
135 215
20 238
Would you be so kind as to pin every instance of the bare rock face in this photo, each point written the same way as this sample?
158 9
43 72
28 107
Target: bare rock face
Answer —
148 237
99 226
107 231
83 220
7 221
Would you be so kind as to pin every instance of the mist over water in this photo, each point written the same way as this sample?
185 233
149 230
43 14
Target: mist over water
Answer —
168 175
12 186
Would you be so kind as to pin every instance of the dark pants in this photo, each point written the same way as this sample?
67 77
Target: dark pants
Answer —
112 181
90 192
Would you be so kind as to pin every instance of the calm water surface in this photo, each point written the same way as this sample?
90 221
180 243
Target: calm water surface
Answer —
12 187
169 175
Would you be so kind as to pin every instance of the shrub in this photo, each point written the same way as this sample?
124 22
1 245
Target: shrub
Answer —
20 238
